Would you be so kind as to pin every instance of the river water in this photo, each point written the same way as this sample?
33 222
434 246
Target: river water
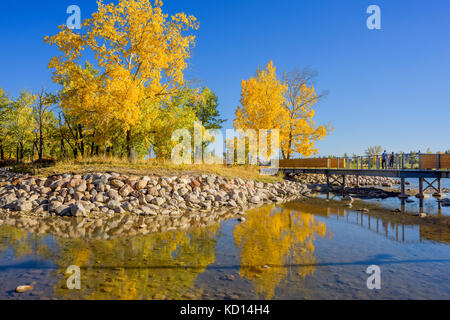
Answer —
299 250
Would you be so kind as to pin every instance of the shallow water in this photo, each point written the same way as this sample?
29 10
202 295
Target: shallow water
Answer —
301 250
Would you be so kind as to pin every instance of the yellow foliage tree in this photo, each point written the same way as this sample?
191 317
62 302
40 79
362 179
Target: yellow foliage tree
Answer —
269 103
141 54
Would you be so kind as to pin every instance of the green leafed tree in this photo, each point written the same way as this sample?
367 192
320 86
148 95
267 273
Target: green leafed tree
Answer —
19 125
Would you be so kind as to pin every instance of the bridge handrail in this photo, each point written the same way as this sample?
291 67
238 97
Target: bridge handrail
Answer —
403 161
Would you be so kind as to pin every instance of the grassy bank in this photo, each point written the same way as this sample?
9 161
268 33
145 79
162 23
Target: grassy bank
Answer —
142 167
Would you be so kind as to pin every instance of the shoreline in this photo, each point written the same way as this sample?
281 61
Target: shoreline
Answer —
112 193
95 205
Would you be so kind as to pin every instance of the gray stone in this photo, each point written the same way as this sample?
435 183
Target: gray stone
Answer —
158 201
113 204
8 199
78 210
192 198
125 190
23 205
63 210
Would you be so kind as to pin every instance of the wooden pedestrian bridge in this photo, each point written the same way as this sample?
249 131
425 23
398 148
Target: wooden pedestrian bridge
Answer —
428 168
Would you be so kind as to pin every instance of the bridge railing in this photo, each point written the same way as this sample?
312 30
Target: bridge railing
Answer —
401 161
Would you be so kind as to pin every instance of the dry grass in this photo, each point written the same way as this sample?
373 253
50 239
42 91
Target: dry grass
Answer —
147 167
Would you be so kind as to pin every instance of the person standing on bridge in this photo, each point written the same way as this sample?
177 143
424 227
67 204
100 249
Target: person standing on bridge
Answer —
384 159
391 161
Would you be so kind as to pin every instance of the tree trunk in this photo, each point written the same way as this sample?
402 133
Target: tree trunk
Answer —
21 152
80 133
33 151
63 149
93 144
131 149
2 153
41 141
92 149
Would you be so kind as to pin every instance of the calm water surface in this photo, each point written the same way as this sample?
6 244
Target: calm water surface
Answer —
300 250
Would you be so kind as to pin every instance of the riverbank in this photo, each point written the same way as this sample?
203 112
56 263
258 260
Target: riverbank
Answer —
112 193
111 204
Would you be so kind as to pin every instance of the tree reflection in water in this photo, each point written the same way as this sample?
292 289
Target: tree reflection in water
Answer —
271 240
155 266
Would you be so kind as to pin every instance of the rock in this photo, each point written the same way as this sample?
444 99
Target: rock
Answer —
113 204
423 215
78 210
45 190
54 205
158 201
117 183
232 203
99 198
192 198
141 184
153 191
347 198
255 199
22 289
127 206
63 210
113 194
445 202
23 205
125 190
8 199
41 208
148 212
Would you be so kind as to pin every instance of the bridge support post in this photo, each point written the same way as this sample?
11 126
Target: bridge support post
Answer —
402 195
357 181
328 181
343 182
420 195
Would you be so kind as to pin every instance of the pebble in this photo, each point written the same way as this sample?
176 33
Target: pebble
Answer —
25 288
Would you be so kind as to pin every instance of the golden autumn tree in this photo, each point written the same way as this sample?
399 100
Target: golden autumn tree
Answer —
141 54
262 99
270 103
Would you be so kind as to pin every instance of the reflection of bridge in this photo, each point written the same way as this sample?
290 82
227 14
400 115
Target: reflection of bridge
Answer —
395 231
382 225
433 167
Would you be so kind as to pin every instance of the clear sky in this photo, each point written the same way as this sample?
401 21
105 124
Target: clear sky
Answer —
387 87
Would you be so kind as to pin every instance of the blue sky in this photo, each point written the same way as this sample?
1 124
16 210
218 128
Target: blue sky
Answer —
387 87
